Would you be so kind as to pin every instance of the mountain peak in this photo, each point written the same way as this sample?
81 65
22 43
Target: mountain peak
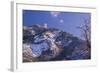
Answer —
52 44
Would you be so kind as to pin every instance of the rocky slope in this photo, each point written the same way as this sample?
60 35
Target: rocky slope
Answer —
50 44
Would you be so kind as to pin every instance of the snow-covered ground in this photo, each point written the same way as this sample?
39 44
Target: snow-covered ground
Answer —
38 48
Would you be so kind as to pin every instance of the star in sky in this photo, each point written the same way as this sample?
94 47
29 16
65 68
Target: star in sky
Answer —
54 13
61 21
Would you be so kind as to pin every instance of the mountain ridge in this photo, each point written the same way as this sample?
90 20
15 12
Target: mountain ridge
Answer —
51 44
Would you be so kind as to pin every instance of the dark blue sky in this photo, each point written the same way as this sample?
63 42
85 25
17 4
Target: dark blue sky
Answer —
66 21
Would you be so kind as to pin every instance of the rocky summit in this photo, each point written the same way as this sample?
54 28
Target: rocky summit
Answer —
41 43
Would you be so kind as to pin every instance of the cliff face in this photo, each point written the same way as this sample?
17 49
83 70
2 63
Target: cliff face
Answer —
50 44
